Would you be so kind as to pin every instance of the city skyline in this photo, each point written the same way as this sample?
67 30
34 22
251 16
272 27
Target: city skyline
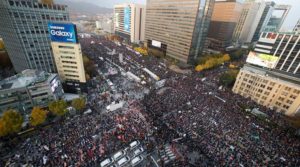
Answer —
289 23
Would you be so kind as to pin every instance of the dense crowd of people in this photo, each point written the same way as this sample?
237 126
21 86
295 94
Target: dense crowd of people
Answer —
215 121
190 112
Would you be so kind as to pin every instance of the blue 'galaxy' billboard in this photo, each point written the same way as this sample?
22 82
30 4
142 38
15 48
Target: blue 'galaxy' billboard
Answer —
127 19
62 32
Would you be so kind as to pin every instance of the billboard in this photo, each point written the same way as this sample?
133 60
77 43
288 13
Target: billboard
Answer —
263 60
62 32
127 19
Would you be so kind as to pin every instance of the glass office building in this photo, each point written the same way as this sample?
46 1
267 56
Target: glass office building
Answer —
24 29
176 28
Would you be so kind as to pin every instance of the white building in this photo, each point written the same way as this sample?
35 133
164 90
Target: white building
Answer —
69 61
28 89
297 27
254 16
129 21
68 56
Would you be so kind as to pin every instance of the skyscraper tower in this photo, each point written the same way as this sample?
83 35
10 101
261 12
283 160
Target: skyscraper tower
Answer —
24 29
177 28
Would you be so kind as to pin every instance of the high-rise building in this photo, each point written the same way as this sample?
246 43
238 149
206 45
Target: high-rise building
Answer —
271 77
176 28
269 88
272 19
253 14
25 32
129 22
284 49
223 21
279 15
28 89
297 27
68 56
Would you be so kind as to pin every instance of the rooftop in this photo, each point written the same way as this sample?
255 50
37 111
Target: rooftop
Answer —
276 74
25 78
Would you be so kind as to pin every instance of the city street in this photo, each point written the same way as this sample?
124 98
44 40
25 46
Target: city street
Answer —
174 119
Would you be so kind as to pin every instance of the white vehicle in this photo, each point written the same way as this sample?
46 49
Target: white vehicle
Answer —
114 106
135 161
154 76
123 161
106 162
138 151
88 111
134 144
118 155
130 75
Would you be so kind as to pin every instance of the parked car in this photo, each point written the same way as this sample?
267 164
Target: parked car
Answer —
123 161
134 144
118 155
135 161
138 151
106 162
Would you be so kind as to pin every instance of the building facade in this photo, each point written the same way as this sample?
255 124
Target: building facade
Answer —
177 29
297 27
28 89
252 14
129 22
268 88
284 47
69 63
25 32
223 22
279 15
68 56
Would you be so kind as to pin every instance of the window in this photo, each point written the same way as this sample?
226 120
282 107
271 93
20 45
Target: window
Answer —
284 93
66 47
286 107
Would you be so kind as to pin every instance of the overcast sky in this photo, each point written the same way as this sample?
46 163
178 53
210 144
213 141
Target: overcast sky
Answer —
289 23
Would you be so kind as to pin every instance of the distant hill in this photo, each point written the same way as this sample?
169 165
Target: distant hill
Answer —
84 7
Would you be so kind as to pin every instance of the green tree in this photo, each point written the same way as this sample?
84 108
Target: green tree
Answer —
11 122
78 103
228 78
89 66
58 107
2 45
237 54
38 116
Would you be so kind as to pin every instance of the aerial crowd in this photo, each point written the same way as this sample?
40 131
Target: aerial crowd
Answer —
190 112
